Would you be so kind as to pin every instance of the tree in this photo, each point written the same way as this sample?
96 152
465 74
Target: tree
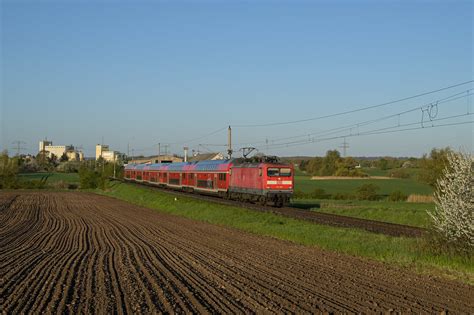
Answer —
432 167
64 158
8 171
329 164
453 217
314 165
383 164
347 167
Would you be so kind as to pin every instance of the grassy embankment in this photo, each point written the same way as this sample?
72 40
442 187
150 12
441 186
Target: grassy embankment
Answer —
412 253
413 214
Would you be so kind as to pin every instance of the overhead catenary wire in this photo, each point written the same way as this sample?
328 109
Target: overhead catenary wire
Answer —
334 130
353 110
367 122
376 131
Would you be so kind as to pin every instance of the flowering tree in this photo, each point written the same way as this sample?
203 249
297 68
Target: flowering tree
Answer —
453 217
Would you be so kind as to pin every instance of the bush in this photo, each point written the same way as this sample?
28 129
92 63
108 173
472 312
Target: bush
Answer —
367 192
432 167
32 184
343 196
89 179
319 193
298 194
453 217
397 195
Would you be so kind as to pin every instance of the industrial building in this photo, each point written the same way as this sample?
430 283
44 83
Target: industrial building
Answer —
102 150
58 151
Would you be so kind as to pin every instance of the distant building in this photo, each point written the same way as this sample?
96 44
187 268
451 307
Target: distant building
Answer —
157 159
205 157
99 149
43 144
72 156
102 150
58 151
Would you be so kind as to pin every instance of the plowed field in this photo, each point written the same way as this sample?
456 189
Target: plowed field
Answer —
77 252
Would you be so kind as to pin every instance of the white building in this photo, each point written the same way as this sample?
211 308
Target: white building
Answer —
43 144
99 149
102 150
59 150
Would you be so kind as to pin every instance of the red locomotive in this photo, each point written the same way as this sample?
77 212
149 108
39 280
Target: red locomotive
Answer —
262 180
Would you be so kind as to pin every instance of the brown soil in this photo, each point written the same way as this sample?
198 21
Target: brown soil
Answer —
77 252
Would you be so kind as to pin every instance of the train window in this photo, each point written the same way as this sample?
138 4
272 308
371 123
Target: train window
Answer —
222 176
273 172
285 172
259 172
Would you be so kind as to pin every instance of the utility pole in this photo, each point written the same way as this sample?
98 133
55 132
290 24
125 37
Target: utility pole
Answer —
185 154
229 142
159 148
18 146
115 160
344 147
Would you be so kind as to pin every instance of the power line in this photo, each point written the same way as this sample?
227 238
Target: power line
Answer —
378 131
201 137
371 121
352 111
19 146
344 147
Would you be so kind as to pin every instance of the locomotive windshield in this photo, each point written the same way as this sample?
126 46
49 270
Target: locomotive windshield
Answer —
285 172
273 172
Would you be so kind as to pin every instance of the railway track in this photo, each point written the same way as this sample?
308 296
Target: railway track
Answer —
386 228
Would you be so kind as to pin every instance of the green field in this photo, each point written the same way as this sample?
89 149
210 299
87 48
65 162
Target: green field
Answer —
348 186
413 214
412 253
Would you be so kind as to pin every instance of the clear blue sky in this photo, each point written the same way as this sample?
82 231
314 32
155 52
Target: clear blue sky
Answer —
164 71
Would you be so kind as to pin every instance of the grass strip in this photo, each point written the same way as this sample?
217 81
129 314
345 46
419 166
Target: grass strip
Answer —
405 213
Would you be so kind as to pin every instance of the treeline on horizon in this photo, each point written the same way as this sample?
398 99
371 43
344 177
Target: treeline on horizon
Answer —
426 169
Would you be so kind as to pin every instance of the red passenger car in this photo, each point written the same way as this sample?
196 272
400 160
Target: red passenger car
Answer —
265 181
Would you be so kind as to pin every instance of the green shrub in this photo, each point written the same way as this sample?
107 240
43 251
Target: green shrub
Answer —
397 195
89 179
319 193
298 194
343 196
367 192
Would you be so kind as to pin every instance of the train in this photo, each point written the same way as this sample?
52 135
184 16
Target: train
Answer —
262 180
